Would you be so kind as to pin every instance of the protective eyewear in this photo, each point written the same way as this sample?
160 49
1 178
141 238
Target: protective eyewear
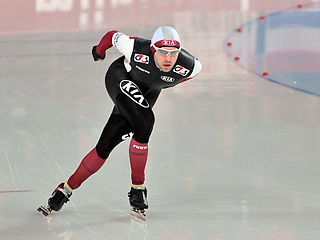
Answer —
165 52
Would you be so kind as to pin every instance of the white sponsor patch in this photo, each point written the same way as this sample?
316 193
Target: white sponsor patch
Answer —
140 58
132 91
181 70
140 147
167 79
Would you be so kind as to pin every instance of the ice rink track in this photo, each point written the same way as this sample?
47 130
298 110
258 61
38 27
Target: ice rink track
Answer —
233 156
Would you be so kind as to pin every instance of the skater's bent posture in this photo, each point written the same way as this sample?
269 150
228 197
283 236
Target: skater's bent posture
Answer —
134 82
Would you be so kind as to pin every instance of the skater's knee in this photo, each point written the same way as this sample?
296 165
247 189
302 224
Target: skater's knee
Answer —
143 127
116 130
145 122
103 151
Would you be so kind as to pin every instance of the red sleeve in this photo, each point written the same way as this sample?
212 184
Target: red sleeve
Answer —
105 43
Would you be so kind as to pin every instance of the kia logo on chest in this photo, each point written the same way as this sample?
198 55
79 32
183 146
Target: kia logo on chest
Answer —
130 89
167 79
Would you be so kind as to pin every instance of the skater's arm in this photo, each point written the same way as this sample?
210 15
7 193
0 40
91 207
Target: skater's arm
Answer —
99 51
105 42
152 96
120 41
196 70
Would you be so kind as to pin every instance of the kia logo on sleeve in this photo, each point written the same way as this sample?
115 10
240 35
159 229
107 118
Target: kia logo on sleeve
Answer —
167 79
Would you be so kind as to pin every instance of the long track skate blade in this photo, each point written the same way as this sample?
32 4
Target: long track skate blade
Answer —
44 210
140 214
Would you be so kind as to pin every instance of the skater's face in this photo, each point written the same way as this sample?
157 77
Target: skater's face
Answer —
166 57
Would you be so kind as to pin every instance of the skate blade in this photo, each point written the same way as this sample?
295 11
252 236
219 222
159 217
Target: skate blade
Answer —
45 210
140 214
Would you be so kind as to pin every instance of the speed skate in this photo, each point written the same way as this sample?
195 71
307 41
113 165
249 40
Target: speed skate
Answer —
138 201
59 197
46 211
140 214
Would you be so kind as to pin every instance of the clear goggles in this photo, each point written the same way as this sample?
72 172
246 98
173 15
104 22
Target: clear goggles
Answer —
165 52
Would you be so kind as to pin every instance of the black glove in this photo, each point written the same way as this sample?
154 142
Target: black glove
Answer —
96 56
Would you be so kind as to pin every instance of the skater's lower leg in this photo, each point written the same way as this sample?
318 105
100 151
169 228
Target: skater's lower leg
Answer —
138 154
90 164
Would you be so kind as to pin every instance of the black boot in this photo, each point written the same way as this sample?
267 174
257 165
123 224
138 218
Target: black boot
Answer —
59 196
138 198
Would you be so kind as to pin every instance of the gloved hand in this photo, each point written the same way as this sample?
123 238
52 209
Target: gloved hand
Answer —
96 56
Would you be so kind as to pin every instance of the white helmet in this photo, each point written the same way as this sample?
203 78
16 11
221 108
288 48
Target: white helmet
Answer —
166 36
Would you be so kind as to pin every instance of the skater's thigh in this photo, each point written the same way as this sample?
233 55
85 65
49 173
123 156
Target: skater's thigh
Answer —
115 131
137 115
